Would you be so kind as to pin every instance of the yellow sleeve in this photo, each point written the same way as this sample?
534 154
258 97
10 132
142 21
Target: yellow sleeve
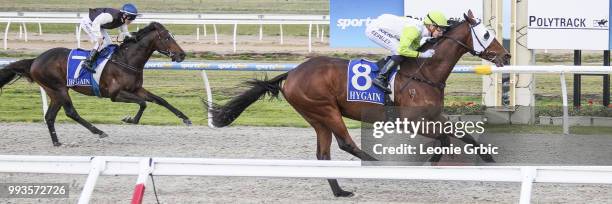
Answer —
409 36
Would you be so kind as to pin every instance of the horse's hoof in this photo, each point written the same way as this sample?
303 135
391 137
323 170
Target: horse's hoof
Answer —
187 122
129 120
57 144
103 135
346 194
487 158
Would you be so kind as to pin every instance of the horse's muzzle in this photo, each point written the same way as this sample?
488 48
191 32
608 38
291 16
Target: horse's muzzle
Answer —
178 57
506 58
503 60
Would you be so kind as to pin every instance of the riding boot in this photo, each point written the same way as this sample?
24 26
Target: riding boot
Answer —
383 76
90 61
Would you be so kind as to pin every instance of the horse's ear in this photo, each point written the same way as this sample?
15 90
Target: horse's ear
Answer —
468 18
470 14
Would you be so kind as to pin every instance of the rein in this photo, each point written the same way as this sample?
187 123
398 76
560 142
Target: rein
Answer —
126 66
166 52
442 85
423 79
484 54
473 52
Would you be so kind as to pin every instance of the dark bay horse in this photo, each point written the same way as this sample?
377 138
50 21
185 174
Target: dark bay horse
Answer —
317 91
121 80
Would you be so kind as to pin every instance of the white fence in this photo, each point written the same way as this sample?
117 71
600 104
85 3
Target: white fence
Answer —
170 18
551 69
309 169
143 166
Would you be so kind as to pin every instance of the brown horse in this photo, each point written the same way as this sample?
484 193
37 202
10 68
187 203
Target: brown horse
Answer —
121 80
317 90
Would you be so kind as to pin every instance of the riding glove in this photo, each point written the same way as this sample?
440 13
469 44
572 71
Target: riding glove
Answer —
424 40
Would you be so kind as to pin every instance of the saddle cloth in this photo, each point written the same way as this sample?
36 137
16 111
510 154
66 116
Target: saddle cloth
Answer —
77 75
360 73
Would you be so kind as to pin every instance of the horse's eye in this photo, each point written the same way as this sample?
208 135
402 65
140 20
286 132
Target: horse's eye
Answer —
487 35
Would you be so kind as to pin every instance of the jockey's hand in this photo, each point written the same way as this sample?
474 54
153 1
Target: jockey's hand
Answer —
128 38
427 54
100 41
424 40
125 34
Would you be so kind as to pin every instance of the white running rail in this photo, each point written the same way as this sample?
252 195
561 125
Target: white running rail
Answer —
21 18
162 166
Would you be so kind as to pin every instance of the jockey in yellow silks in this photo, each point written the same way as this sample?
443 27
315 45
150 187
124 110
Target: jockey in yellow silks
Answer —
403 36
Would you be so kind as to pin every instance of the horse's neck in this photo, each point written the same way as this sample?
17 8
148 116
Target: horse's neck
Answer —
437 69
442 65
137 54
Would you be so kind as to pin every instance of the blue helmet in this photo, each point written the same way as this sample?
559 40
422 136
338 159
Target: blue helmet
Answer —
130 9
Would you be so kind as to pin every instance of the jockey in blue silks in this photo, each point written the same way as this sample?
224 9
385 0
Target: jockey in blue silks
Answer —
101 19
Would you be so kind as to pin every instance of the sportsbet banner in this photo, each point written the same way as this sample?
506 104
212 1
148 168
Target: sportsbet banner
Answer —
348 20
453 9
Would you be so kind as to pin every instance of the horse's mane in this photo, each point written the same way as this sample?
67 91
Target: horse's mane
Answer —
430 43
140 34
452 25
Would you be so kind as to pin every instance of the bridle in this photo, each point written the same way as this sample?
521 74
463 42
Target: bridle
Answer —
165 51
441 85
485 54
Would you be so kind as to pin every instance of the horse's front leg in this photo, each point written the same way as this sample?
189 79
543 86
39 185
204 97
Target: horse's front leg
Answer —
148 96
443 138
127 97
467 138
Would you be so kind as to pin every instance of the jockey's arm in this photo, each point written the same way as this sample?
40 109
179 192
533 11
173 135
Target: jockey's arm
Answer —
97 23
407 39
124 31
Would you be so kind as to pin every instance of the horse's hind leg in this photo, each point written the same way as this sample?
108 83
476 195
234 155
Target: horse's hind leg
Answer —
72 113
51 114
160 101
345 142
50 120
324 137
127 97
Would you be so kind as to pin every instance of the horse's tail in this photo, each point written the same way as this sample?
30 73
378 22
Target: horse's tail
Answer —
12 70
224 115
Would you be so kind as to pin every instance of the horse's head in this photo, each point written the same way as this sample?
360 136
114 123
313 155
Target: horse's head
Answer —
478 40
166 44
162 41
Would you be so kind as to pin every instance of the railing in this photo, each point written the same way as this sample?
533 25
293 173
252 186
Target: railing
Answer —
160 166
169 18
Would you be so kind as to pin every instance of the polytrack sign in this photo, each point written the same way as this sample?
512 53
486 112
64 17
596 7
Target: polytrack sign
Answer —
568 24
